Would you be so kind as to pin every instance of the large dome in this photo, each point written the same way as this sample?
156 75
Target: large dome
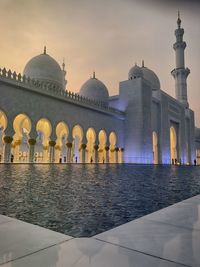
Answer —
139 72
135 72
45 69
151 77
95 89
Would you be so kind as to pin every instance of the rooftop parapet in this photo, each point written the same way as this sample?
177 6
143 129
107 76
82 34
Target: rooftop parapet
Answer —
51 89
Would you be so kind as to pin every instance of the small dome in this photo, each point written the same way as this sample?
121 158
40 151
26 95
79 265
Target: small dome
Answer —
95 89
143 72
135 72
45 69
151 77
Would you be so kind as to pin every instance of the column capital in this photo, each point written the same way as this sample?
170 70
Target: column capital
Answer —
70 138
96 147
83 146
8 139
69 144
32 141
52 143
107 148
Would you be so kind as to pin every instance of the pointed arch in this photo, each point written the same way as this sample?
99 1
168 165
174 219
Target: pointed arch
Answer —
62 132
102 144
112 141
155 147
173 145
44 129
22 127
77 134
3 126
91 138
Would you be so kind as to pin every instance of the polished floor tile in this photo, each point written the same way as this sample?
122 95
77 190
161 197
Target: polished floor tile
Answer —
185 215
18 238
158 239
87 252
195 199
4 219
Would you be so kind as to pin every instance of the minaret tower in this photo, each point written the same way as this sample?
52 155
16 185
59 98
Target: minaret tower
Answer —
180 73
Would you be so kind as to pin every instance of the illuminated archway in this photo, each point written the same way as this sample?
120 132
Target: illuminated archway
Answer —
77 134
155 147
91 137
43 129
62 132
198 156
173 145
102 144
20 147
3 125
112 152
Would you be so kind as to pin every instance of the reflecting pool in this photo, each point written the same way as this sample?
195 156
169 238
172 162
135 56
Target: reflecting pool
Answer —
86 199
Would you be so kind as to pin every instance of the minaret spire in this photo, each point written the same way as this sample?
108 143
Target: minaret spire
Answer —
179 20
180 73
143 63
64 73
63 64
45 50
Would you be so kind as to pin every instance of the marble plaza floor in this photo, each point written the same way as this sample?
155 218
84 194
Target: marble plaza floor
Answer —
167 238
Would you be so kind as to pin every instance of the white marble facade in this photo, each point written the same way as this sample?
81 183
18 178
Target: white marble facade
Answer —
41 121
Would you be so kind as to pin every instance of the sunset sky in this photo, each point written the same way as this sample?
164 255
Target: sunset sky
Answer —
107 36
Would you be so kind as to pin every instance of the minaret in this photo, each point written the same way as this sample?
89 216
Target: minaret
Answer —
180 73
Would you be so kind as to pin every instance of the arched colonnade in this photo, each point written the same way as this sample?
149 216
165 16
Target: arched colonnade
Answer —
68 146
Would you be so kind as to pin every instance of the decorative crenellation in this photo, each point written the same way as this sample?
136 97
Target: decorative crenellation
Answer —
53 89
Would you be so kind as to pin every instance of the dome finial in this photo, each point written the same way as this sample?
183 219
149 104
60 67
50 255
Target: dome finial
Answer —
93 75
179 20
143 63
45 50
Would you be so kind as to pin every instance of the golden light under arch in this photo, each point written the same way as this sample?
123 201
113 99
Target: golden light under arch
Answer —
77 134
91 137
155 147
21 121
3 120
173 144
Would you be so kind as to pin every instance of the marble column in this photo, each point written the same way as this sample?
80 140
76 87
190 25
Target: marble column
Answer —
122 154
57 155
7 148
52 151
96 148
83 149
45 157
17 144
107 154
69 152
116 155
31 151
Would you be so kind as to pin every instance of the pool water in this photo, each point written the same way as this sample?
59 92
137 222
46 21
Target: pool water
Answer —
86 199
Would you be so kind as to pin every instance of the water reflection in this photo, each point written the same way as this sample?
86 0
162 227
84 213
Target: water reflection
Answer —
83 200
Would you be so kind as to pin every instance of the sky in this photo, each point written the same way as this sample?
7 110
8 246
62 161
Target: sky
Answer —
105 36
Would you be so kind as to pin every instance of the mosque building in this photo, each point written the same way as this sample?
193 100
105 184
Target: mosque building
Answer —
41 121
